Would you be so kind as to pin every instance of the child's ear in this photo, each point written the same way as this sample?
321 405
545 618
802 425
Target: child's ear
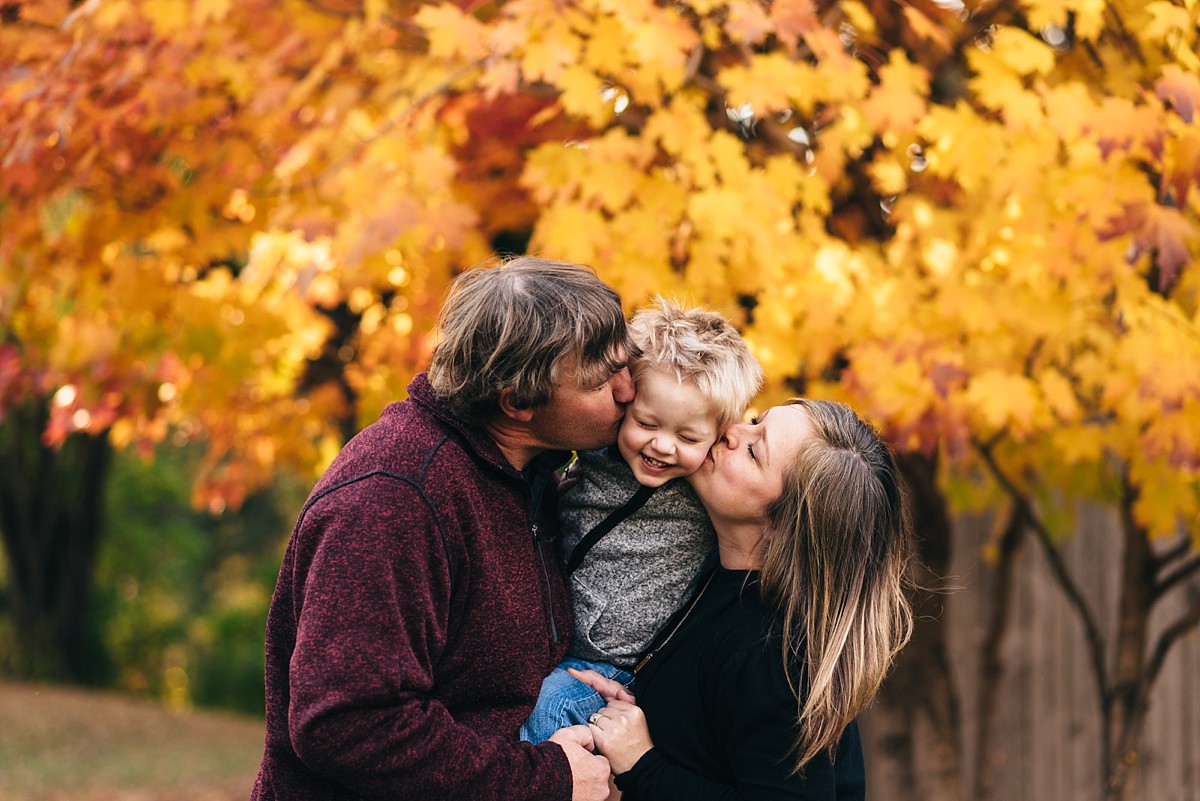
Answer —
510 409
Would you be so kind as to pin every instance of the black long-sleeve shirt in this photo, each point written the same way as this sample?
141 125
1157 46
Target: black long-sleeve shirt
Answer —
722 716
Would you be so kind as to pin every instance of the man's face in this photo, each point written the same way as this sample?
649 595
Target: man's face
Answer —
583 415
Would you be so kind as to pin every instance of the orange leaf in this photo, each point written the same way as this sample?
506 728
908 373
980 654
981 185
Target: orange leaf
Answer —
1180 89
926 28
793 19
747 23
1166 231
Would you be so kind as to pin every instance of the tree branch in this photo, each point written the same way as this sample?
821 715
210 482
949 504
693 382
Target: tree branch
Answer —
1188 569
1185 624
1058 568
1173 552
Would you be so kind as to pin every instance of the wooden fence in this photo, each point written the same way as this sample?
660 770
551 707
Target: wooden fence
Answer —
1046 734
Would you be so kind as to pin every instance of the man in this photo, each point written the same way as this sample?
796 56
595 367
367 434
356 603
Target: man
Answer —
420 602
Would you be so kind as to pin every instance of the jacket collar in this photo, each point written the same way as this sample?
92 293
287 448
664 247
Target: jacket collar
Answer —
476 438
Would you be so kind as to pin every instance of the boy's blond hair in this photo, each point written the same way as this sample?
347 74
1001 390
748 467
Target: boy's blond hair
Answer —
701 347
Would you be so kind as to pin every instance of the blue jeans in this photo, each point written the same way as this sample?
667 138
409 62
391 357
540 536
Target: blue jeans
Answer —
565 700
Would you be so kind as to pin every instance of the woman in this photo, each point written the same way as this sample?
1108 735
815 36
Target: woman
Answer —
754 691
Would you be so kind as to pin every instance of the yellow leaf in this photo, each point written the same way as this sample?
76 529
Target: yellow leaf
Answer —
1003 400
679 128
1045 13
889 176
111 14
767 83
167 16
569 232
1022 53
1166 19
1165 497
451 33
206 11
1060 396
294 160
664 42
859 17
899 100
167 240
1077 444
373 11
582 95
1089 18
1068 108
716 211
999 88
605 45
548 58
502 77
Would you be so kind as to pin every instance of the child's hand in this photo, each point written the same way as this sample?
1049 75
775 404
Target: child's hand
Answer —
570 477
609 689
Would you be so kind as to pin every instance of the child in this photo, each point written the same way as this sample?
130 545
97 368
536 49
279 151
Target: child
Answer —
635 539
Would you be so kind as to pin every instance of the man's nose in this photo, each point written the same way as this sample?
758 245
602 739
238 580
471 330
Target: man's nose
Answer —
622 386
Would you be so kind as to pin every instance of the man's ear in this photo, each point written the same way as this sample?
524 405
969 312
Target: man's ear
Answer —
509 408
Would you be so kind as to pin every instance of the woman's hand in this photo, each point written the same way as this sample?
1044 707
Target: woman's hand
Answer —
609 689
620 733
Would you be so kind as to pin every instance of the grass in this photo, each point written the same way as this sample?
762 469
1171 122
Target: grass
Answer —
65 744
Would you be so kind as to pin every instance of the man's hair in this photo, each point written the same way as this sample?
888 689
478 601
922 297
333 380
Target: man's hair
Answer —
702 348
521 325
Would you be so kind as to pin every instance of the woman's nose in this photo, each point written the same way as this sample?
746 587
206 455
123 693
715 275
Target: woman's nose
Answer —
731 437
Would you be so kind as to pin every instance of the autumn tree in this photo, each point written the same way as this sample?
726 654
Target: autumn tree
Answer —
976 222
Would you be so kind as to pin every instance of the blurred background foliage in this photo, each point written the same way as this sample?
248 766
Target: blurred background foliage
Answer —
227 228
180 595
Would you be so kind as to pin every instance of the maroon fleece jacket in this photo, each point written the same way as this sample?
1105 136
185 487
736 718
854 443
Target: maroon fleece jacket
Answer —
417 610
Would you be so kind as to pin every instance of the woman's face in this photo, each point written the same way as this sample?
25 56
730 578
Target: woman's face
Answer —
744 471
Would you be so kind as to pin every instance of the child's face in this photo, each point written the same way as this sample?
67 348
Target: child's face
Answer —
668 429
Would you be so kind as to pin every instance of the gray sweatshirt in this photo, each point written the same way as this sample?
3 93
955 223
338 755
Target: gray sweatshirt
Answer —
638 574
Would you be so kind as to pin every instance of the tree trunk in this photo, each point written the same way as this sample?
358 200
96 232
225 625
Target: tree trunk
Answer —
50 515
1127 699
913 730
991 669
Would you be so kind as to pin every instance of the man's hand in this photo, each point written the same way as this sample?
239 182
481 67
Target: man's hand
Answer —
589 772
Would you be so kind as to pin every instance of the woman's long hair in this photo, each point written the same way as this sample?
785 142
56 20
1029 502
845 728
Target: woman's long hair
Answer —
835 567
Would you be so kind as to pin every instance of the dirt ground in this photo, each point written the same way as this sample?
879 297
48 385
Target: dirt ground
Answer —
64 744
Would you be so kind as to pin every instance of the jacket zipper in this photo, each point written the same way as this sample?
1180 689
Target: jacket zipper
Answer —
537 487
541 552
